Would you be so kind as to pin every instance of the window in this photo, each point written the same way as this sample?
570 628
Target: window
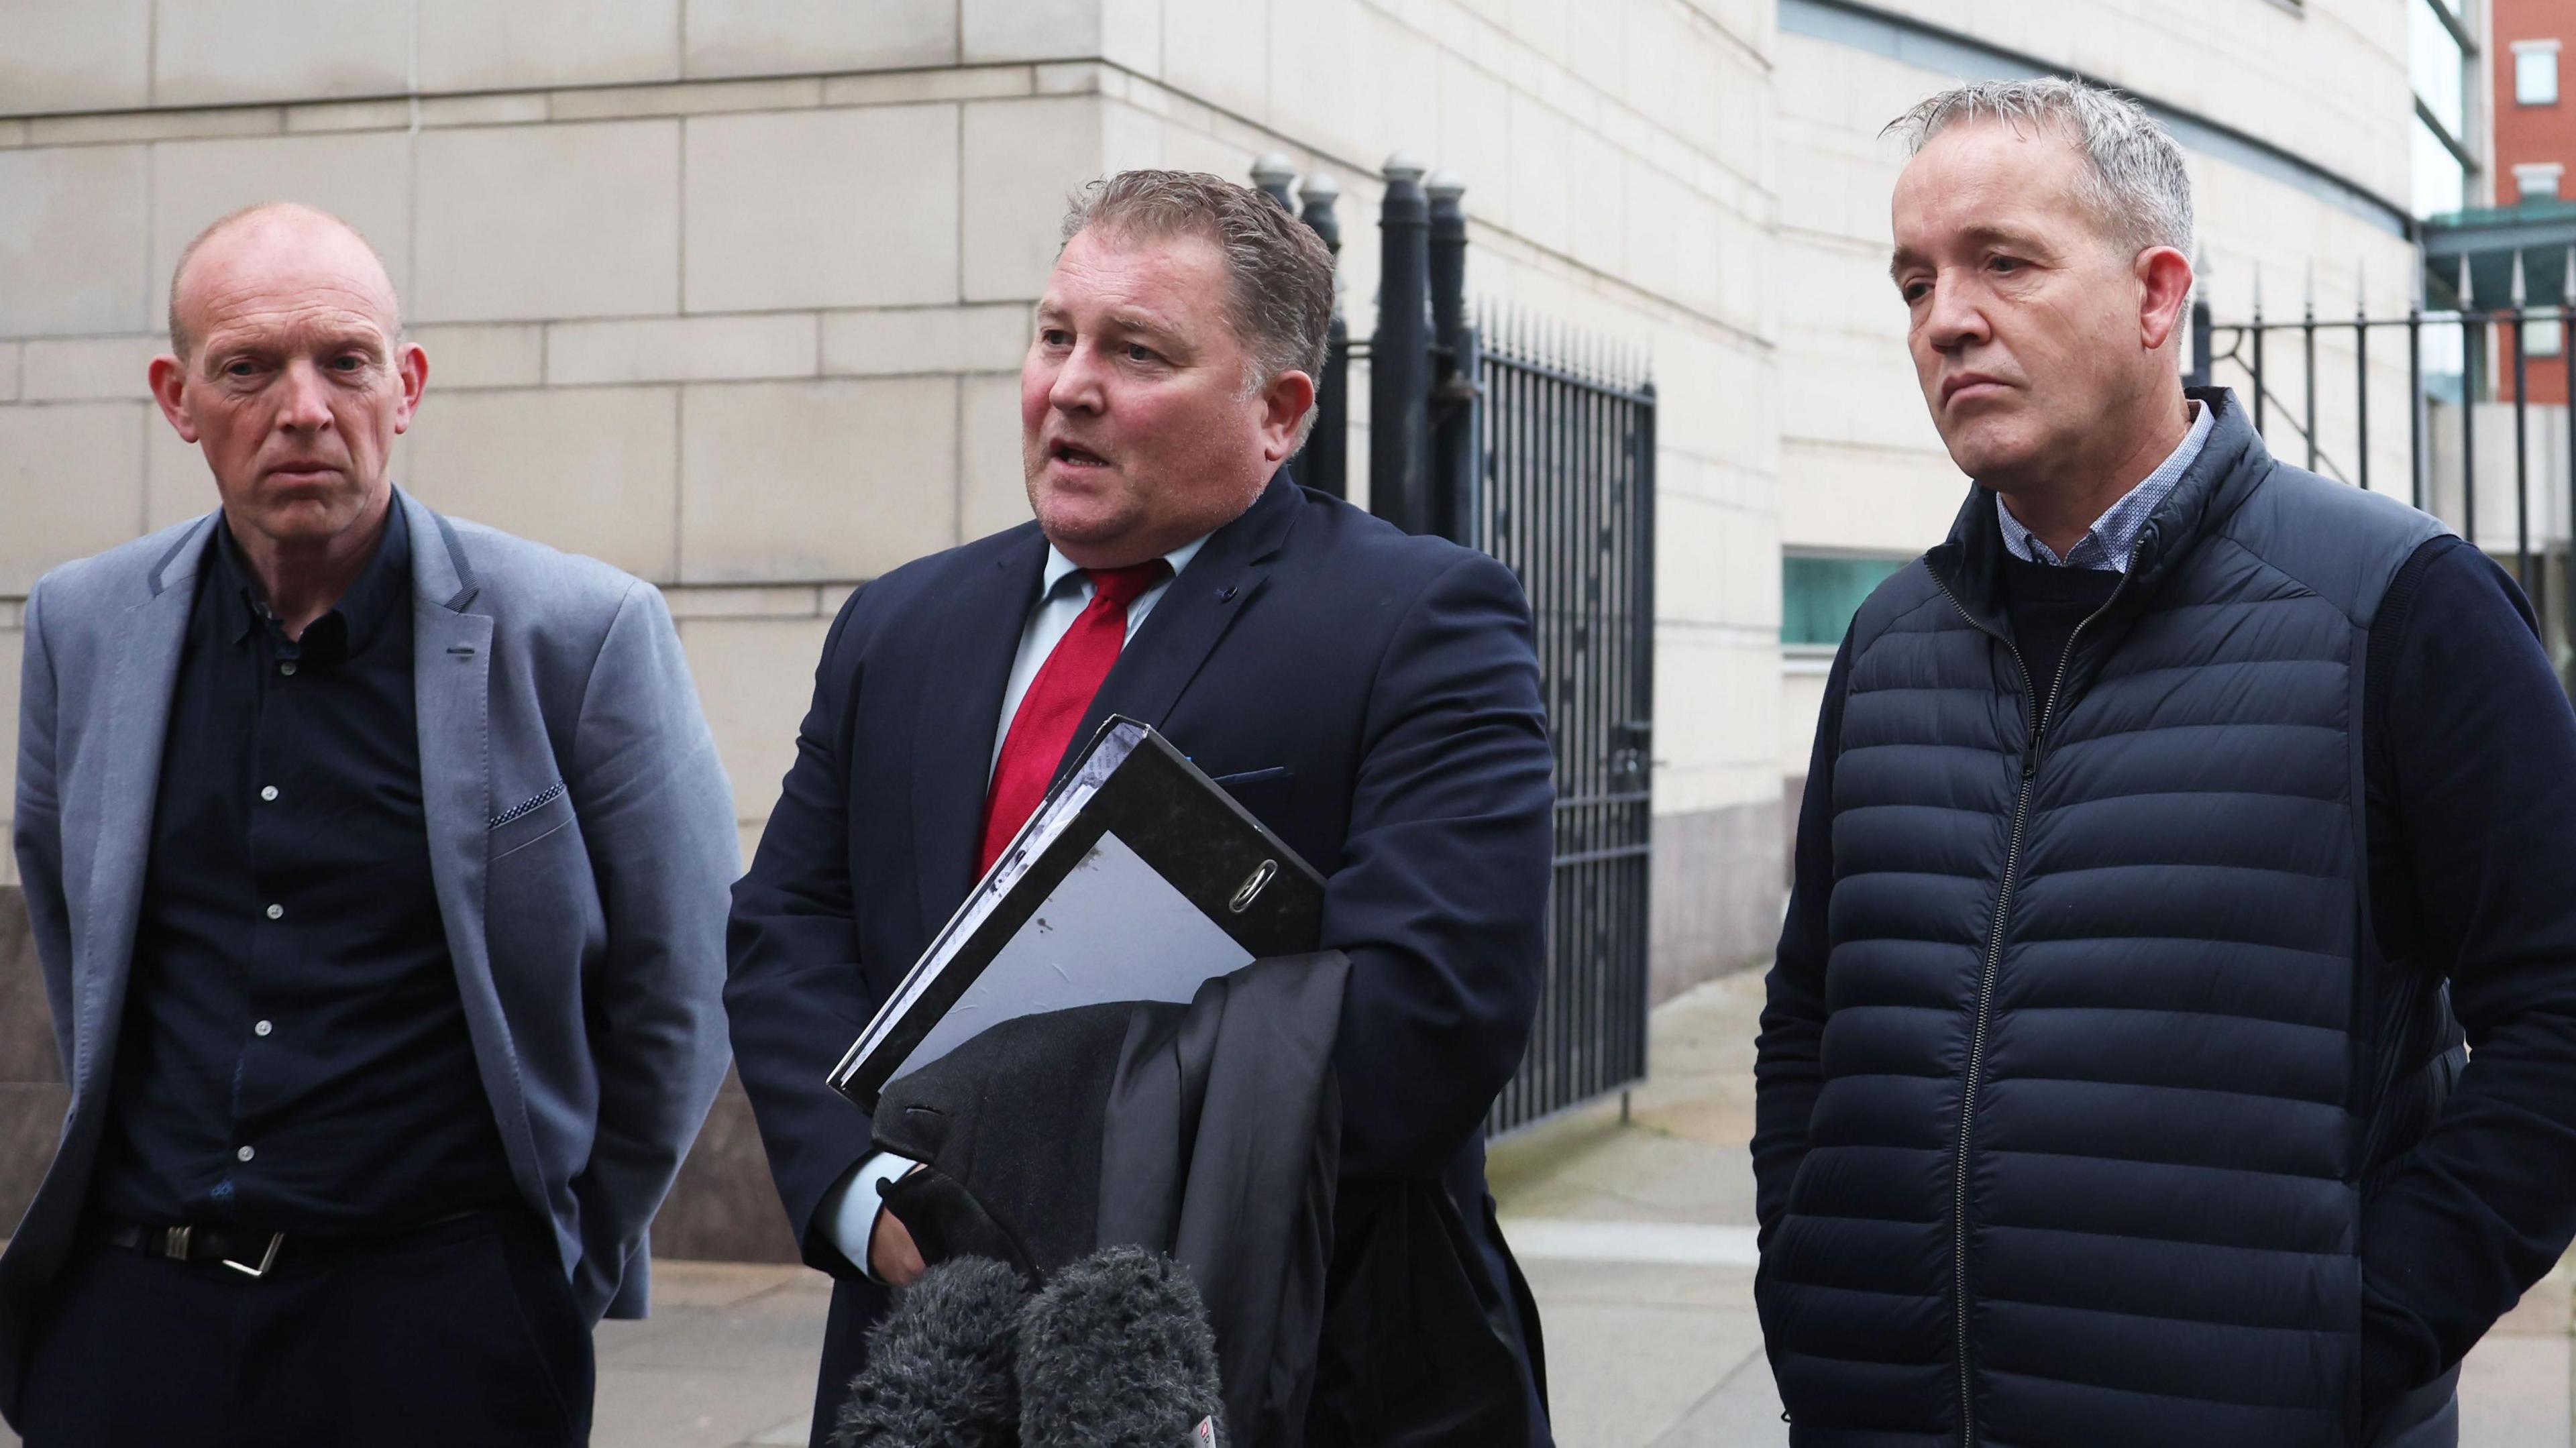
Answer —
2538 181
2535 72
2438 59
1819 593
2541 337
2441 182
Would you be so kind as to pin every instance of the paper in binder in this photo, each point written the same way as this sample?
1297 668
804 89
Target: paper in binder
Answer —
1136 879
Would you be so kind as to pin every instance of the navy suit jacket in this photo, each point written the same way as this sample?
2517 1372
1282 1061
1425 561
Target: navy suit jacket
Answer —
1372 696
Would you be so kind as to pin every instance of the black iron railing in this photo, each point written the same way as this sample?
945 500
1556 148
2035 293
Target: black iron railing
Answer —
1538 447
1564 442
2454 360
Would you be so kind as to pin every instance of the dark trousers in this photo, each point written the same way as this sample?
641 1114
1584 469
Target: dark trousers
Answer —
461 1333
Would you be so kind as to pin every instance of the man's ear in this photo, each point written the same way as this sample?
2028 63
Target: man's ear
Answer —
2164 287
1284 404
411 369
168 377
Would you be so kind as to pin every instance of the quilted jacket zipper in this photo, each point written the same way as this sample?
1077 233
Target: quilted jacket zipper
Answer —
1994 958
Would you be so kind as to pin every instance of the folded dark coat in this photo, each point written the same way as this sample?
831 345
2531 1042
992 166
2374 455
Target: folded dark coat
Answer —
1211 1132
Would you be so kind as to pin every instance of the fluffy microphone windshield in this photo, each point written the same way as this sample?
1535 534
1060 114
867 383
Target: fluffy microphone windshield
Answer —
1117 1353
939 1367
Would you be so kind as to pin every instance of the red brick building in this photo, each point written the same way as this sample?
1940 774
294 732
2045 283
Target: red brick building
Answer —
2534 151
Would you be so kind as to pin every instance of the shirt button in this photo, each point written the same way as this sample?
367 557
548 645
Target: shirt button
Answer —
287 668
268 792
244 1154
262 1029
276 912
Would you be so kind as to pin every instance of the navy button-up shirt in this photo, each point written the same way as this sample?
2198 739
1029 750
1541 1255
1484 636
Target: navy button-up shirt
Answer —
294 1054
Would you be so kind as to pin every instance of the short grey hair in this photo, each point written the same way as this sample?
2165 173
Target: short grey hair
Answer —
2134 177
1281 306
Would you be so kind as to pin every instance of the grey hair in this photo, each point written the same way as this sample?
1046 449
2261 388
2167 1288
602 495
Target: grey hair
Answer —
2134 177
1281 301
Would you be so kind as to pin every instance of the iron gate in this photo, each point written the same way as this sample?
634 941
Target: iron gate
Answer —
1539 448
1565 496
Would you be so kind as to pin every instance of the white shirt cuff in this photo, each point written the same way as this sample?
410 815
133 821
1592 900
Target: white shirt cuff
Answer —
850 1208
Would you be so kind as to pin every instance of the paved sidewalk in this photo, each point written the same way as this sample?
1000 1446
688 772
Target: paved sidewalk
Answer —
1638 1242
726 1358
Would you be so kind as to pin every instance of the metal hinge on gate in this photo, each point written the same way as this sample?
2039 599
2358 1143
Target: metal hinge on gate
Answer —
1635 739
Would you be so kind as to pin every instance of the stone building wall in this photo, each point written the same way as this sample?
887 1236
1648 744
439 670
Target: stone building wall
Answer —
732 294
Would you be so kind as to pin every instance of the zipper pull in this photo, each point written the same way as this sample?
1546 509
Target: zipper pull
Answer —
2030 760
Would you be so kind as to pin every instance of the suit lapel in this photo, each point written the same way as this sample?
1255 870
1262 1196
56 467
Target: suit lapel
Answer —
971 644
136 704
451 670
1176 638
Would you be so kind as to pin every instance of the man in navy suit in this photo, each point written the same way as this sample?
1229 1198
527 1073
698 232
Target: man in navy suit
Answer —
1373 697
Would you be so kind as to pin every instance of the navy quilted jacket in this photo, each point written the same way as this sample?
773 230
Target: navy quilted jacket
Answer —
2107 1056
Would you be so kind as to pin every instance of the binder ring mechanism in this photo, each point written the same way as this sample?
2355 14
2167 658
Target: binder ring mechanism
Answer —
1252 886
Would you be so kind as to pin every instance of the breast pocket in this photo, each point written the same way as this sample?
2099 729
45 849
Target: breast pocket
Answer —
537 818
1265 793
541 903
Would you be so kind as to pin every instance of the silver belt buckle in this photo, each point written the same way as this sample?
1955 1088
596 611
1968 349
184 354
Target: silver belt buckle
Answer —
267 1259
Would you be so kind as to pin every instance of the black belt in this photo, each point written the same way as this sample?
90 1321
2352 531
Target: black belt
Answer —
255 1254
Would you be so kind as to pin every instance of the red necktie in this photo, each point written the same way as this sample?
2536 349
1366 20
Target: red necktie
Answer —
1043 728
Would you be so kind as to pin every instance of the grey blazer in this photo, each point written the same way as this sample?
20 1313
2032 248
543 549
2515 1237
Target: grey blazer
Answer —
581 839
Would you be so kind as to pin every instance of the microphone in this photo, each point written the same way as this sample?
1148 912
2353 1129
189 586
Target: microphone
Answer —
1116 1352
939 1371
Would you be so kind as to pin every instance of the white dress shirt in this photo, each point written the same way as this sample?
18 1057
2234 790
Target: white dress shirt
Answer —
849 1210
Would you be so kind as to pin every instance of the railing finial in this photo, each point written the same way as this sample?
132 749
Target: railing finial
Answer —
1271 174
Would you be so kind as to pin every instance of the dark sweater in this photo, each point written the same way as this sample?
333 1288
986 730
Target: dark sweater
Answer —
2047 604
2470 771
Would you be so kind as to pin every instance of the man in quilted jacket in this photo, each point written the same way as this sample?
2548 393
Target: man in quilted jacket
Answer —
2175 831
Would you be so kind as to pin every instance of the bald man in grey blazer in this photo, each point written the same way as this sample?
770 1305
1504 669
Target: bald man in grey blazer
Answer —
378 867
